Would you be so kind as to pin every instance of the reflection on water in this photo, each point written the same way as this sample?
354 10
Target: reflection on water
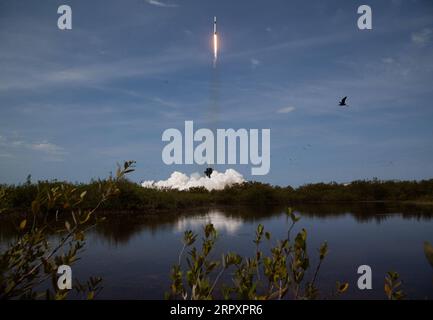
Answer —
133 252
368 212
220 221
121 227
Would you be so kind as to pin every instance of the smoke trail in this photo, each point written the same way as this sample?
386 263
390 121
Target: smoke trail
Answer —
215 83
181 181
214 97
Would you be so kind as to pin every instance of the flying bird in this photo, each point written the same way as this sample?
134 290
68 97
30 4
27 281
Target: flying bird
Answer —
343 102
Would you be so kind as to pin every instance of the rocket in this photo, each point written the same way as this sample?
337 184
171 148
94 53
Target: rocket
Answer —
215 42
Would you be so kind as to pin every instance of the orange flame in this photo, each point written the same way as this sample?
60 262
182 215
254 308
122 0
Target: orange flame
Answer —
215 47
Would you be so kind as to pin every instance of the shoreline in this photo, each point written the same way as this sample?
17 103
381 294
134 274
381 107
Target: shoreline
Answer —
158 212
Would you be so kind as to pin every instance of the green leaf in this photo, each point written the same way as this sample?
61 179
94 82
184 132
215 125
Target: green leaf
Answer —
35 207
23 224
342 287
79 236
260 229
323 251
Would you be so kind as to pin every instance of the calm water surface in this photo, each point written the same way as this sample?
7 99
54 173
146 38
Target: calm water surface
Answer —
134 254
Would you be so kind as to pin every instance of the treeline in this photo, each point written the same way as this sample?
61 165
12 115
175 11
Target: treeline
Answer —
134 197
366 190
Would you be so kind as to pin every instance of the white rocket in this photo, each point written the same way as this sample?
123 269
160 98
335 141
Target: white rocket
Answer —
215 42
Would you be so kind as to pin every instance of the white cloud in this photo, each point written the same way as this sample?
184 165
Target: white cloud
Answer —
181 181
165 103
255 63
301 43
29 77
388 60
12 146
48 148
161 4
422 37
18 143
6 155
286 110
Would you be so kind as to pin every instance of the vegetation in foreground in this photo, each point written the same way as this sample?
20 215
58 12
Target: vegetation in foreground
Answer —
282 274
53 234
48 238
132 196
276 276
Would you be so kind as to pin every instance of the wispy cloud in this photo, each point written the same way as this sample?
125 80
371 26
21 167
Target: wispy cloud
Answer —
161 4
301 43
188 32
97 73
6 155
388 60
255 63
53 151
165 103
48 148
286 110
422 37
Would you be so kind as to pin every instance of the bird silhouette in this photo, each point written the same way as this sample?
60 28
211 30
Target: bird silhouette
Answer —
343 102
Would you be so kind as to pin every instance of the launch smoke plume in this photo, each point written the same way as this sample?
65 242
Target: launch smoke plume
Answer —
181 181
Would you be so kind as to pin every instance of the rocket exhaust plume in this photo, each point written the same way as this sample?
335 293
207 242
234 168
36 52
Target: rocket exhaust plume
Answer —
215 48
215 42
180 181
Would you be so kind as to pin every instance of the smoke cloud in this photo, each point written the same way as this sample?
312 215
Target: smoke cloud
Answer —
181 181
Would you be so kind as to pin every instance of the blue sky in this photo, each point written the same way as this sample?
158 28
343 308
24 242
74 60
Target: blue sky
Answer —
73 103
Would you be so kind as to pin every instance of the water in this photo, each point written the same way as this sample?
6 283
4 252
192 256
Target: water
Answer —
133 252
